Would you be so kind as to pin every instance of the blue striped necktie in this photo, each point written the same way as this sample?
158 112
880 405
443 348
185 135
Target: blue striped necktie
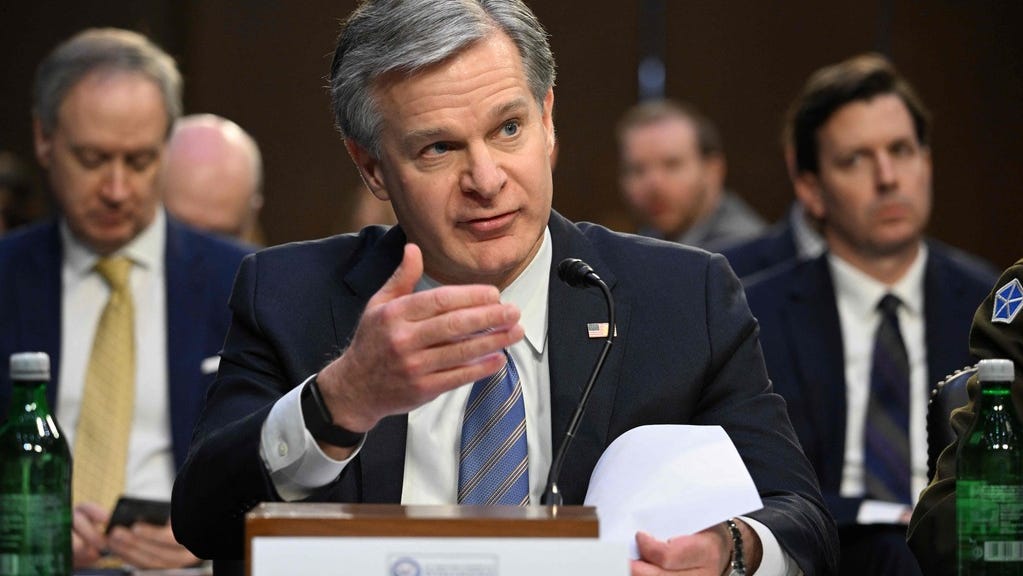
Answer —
493 468
886 434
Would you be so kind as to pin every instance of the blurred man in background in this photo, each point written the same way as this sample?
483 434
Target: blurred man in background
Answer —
128 302
212 177
673 177
855 338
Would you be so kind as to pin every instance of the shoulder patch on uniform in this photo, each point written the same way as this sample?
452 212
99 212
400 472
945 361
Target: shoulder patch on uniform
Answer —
1008 301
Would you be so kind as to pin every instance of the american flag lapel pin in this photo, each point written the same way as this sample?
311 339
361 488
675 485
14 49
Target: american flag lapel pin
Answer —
598 330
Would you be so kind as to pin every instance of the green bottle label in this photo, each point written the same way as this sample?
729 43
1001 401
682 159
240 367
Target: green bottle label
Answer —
28 526
990 518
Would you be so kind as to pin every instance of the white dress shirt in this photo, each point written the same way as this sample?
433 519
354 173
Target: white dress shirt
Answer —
84 294
857 296
297 466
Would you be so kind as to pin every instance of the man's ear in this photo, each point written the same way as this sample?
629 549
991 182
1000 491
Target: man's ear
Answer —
548 124
716 167
369 169
808 190
43 144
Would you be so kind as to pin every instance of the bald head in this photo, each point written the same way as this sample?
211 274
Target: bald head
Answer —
211 176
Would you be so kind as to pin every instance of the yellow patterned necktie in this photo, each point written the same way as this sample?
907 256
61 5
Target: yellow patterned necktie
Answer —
108 402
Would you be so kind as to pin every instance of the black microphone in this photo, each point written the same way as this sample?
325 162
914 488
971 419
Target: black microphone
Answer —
578 274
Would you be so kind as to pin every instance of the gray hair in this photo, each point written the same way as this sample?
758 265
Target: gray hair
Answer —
107 49
404 36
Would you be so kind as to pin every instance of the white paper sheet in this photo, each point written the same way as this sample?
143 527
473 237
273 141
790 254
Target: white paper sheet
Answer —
669 481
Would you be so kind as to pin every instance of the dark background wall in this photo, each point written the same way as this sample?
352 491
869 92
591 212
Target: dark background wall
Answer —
262 63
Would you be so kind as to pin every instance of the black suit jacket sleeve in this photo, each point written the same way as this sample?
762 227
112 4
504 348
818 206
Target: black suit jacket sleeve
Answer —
772 453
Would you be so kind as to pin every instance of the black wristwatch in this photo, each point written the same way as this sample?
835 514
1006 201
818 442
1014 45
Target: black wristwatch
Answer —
320 424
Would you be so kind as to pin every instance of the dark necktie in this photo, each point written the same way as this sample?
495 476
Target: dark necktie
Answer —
493 468
886 434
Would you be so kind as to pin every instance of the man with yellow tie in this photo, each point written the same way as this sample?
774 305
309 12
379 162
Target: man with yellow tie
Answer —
129 303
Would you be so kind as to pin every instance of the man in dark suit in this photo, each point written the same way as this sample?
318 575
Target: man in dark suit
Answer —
672 175
855 338
104 104
345 368
997 332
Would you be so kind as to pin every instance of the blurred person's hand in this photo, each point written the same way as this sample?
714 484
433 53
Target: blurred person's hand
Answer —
149 546
88 541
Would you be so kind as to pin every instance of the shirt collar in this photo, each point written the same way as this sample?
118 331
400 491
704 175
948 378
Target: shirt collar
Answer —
809 243
145 250
862 292
528 292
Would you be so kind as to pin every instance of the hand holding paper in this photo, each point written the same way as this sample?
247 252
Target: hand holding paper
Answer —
669 481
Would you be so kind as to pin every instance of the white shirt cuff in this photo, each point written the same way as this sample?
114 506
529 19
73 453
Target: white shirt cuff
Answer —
291 455
774 562
878 512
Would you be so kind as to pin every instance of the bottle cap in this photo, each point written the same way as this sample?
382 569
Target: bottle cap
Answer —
995 370
30 366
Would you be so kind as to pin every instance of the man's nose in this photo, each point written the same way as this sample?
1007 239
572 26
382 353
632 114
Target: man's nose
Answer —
115 186
483 174
885 172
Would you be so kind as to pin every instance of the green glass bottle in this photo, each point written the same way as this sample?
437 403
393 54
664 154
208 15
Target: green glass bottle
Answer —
35 477
989 480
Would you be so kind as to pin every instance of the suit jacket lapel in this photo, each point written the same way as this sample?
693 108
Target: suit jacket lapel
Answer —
185 308
382 459
813 330
572 355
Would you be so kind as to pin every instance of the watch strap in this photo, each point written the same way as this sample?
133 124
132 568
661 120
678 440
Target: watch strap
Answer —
320 423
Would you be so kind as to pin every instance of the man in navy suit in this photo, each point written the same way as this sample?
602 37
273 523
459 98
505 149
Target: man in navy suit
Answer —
345 367
104 103
863 171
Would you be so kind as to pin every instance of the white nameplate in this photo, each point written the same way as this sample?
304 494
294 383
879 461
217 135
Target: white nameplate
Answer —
375 556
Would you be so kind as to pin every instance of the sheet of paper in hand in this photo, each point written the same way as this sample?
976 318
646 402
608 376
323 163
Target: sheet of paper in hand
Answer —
669 480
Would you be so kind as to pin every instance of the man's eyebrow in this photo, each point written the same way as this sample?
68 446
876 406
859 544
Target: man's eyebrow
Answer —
515 106
91 149
83 148
413 137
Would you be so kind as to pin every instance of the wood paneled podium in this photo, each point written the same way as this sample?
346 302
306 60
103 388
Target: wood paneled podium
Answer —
386 539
